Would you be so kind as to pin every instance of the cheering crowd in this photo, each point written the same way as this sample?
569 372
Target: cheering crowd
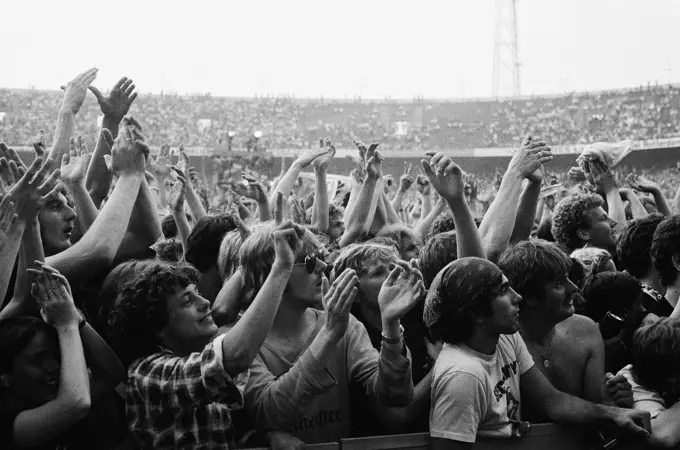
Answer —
647 112
139 313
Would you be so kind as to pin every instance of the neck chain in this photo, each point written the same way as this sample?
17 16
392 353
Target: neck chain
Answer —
544 356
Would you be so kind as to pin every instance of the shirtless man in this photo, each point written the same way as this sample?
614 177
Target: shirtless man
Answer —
566 347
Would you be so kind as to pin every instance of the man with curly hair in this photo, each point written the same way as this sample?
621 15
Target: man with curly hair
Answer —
185 375
580 220
665 253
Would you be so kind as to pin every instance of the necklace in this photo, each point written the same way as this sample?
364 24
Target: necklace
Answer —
546 362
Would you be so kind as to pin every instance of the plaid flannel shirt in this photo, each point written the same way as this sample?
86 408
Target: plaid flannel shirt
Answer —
174 402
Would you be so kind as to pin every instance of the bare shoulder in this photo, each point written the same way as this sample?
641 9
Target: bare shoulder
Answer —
579 327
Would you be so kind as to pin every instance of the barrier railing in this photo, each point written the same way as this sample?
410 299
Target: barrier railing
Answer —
539 437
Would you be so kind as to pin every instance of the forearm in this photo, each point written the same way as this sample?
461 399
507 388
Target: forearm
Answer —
162 202
391 216
144 227
568 409
107 370
467 234
321 221
285 185
74 383
98 178
87 211
423 226
353 195
499 221
244 340
526 212
661 203
64 130
426 206
394 420
616 210
665 430
398 200
393 382
227 305
263 210
98 247
194 202
637 210
183 226
358 221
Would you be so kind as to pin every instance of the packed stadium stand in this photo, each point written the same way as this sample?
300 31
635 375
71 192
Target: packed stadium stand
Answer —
202 120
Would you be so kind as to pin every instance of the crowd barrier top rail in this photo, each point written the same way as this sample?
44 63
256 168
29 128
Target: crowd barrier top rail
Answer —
539 437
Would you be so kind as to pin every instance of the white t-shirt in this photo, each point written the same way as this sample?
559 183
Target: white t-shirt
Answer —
474 394
643 398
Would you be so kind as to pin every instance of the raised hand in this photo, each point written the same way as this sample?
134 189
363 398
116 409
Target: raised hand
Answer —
298 210
530 157
161 164
53 298
322 162
309 156
538 175
601 176
74 163
337 302
642 184
128 155
177 194
400 292
9 220
287 243
278 208
577 175
243 229
445 176
406 180
374 162
183 161
118 103
252 190
39 143
35 188
76 89
422 183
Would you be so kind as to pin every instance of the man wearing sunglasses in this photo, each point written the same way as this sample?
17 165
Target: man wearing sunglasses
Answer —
320 412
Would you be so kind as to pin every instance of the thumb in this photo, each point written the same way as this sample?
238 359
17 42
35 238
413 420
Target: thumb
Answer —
96 92
108 162
427 168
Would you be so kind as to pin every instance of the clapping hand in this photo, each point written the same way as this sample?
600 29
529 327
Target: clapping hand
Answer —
129 151
287 243
76 89
53 295
119 100
322 162
400 292
74 163
250 188
161 164
177 194
310 156
39 143
337 302
34 189
642 184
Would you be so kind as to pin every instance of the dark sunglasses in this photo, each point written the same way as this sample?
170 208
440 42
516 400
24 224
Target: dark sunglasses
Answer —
311 261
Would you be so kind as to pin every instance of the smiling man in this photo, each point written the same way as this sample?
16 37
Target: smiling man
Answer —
566 347
185 376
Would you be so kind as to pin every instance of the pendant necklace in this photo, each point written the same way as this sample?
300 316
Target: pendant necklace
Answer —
546 362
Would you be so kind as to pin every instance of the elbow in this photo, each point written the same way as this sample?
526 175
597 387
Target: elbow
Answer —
80 407
238 361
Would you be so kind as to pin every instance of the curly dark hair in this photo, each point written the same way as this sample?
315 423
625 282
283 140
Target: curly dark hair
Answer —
635 241
170 250
15 334
141 309
441 224
203 244
569 216
665 245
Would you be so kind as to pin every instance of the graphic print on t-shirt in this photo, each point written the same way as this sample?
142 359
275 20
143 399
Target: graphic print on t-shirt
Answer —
501 389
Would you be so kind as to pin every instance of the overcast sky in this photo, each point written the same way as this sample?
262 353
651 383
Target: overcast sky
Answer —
337 48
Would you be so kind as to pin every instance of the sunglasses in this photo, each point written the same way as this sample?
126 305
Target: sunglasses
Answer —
311 260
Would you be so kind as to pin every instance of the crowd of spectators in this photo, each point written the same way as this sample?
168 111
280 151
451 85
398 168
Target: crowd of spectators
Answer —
207 121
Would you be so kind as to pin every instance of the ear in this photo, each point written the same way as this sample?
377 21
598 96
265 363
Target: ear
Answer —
676 261
583 234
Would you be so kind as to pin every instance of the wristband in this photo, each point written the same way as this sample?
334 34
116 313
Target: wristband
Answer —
396 340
